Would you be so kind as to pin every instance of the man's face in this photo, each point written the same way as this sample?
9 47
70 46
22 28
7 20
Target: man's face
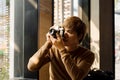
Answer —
71 38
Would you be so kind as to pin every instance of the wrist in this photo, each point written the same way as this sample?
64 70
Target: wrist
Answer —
62 50
48 44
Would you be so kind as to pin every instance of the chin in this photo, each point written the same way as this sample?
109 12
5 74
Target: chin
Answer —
66 46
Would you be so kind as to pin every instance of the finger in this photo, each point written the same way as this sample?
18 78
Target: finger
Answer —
58 36
52 38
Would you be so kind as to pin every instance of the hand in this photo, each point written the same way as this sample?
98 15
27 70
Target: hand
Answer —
57 42
48 38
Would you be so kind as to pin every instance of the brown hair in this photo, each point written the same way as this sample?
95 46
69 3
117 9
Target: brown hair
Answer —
77 25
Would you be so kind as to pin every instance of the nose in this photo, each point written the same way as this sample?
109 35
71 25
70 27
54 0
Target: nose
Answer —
65 35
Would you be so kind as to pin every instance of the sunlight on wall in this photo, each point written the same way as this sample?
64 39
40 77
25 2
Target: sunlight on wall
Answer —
95 44
94 32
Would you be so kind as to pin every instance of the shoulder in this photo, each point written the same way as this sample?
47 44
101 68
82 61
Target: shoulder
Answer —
87 54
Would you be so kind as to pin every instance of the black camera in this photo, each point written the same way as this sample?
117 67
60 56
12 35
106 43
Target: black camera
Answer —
98 74
57 29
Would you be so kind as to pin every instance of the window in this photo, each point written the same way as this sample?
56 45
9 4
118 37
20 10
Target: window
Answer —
4 39
62 10
117 38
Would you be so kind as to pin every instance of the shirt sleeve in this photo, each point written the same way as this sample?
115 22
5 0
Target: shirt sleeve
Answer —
77 71
40 58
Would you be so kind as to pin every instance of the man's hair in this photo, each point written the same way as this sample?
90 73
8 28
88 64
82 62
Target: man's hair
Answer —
77 25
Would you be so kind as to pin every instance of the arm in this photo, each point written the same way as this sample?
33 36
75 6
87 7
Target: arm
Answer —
76 71
39 58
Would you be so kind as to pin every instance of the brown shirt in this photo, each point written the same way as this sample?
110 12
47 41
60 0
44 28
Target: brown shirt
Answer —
65 65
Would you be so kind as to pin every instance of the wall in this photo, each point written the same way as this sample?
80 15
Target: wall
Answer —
107 35
45 22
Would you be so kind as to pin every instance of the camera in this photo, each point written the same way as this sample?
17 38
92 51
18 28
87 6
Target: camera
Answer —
57 29
98 74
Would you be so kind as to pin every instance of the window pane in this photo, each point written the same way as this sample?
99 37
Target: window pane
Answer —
4 39
117 39
62 9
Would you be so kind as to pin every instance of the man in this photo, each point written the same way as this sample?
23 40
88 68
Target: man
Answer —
68 59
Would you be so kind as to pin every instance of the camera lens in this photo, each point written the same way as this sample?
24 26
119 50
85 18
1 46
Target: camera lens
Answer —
53 32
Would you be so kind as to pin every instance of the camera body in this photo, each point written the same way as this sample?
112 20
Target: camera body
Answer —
57 29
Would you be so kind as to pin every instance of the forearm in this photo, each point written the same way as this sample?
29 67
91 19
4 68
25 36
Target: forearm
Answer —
71 67
38 59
